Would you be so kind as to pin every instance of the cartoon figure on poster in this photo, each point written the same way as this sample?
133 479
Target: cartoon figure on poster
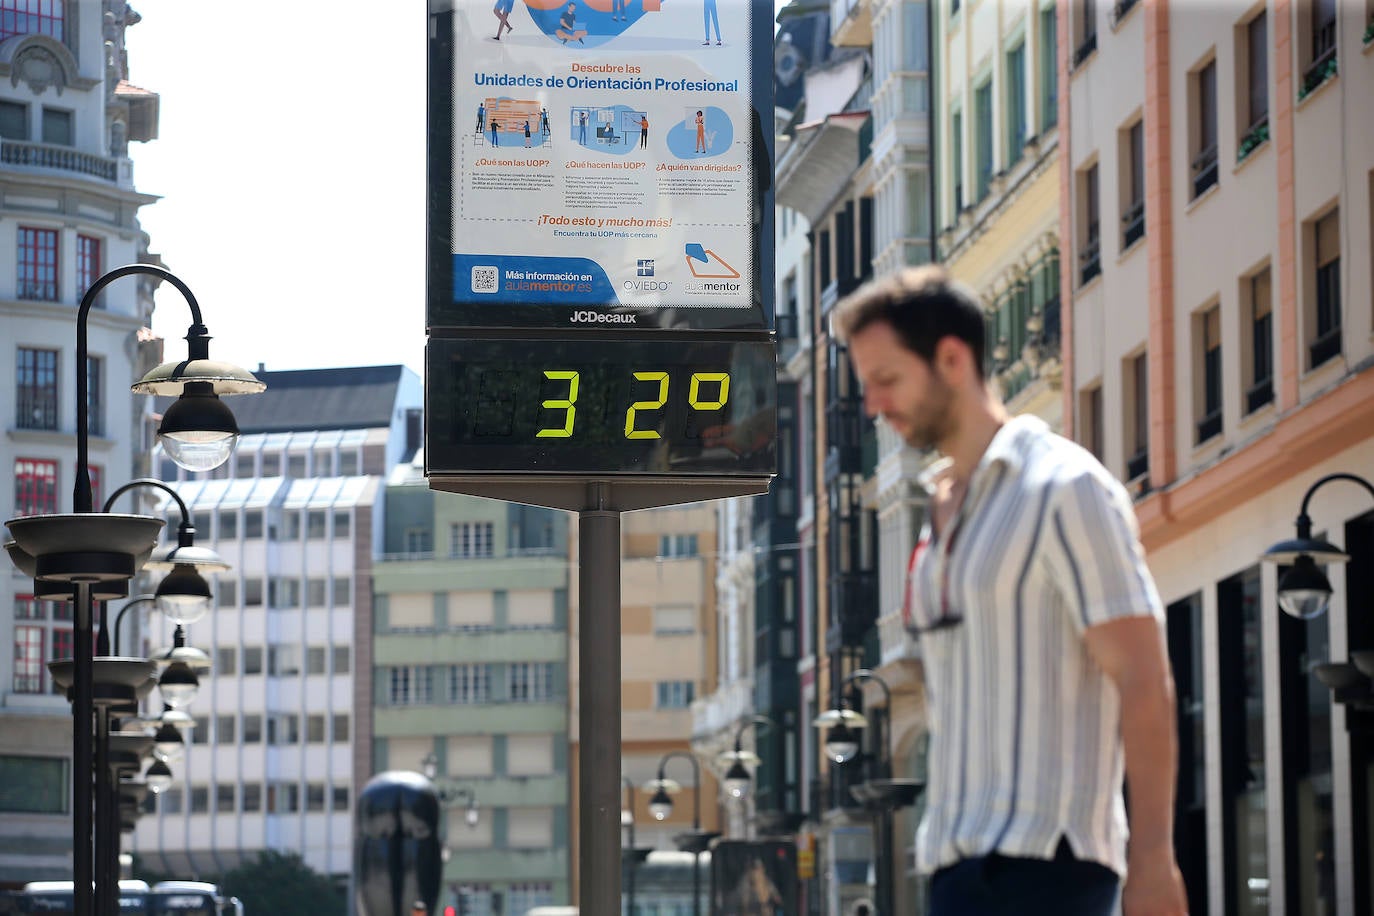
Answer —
702 131
589 23
617 129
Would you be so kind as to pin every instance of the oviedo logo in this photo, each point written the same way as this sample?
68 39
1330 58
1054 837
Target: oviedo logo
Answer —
586 317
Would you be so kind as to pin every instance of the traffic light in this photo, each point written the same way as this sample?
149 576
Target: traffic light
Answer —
450 911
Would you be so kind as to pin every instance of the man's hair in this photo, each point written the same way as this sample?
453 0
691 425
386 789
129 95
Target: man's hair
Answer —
922 304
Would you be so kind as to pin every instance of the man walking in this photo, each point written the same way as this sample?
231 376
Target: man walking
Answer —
1040 629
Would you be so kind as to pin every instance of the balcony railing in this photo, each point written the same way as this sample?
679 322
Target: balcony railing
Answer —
1323 65
1133 224
1253 139
1259 394
62 158
1209 426
1120 10
1137 465
1204 170
1325 347
1088 46
1089 261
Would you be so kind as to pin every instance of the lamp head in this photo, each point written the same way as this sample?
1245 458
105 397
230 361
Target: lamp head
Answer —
178 685
660 806
841 744
1304 590
737 780
158 776
471 816
183 595
198 431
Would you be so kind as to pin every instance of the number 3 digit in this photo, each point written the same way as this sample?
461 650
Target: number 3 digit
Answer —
567 404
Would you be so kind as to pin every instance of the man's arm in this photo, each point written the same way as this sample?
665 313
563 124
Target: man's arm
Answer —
1130 650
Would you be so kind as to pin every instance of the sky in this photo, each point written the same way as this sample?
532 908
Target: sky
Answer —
290 167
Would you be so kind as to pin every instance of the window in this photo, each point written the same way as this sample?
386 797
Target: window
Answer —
314 524
529 682
252 524
283 592
315 660
295 466
1253 68
228 525
521 898
35 388
14 116
252 796
1204 127
982 138
283 661
58 127
88 265
243 464
200 734
27 607
95 395
1049 68
252 592
224 729
1322 63
252 663
35 487
1257 301
63 641
1133 205
673 694
290 525
1138 425
1090 251
224 797
28 659
348 464
1326 313
1184 629
1085 31
342 588
677 545
411 686
1091 413
283 729
338 663
314 729
956 158
470 539
342 524
418 542
37 264
252 728
339 799
200 799
315 592
1016 101
169 802
31 17
271 464
314 796
226 661
283 797
675 620
469 683
1207 400
338 728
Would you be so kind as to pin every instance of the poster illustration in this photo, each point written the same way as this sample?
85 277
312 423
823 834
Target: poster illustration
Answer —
601 155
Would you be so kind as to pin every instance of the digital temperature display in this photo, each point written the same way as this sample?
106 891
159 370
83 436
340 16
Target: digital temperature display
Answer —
596 406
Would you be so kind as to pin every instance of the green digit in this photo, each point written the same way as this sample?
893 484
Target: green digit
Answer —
630 431
561 404
722 378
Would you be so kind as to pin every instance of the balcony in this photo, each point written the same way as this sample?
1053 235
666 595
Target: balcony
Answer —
1089 260
1084 50
851 23
1120 10
1209 426
1323 65
853 609
1325 347
1204 170
1133 225
844 438
57 158
1259 394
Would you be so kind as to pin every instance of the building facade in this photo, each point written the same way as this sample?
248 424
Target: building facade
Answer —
1216 179
68 213
470 676
285 719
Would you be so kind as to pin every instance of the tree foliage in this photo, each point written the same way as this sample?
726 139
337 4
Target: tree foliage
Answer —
282 883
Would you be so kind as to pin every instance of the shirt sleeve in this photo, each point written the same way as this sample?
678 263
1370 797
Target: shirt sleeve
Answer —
1094 553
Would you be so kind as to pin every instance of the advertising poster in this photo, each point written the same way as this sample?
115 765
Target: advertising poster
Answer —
756 878
603 162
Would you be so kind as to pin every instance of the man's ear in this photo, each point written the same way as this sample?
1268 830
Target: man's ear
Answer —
953 359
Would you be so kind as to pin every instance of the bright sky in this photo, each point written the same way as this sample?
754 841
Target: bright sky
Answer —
291 166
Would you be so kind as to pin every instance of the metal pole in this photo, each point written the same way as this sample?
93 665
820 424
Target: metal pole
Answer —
599 703
83 705
105 902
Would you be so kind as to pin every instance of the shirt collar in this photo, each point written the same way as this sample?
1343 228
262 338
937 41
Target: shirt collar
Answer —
1008 445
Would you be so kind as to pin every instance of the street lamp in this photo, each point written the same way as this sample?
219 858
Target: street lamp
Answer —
85 548
636 855
737 778
1305 593
451 796
1304 590
880 794
661 805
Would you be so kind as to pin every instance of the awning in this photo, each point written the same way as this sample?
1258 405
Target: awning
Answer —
822 158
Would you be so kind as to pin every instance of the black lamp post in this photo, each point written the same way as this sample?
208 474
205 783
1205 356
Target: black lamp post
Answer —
661 805
880 794
451 796
85 550
636 855
1305 592
737 778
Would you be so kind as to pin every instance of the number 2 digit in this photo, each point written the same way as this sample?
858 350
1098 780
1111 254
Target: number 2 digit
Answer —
630 431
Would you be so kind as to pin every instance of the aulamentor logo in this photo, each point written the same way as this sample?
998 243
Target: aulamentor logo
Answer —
585 317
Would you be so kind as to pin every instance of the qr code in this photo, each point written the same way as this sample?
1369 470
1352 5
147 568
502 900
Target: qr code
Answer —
485 280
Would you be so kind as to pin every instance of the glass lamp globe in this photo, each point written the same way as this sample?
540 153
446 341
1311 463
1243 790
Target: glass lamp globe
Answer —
183 596
168 744
660 806
471 816
178 685
158 777
737 780
198 431
1304 591
841 745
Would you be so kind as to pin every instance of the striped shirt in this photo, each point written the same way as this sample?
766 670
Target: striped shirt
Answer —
1025 728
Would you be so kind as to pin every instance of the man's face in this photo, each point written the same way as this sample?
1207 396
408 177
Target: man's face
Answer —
901 387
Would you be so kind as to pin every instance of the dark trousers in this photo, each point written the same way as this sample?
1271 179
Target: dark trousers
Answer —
998 885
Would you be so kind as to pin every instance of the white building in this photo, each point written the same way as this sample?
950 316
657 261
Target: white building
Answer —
68 213
284 721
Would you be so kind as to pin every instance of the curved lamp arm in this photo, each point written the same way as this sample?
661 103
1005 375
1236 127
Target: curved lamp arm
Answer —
119 618
863 675
752 720
1304 521
197 338
185 529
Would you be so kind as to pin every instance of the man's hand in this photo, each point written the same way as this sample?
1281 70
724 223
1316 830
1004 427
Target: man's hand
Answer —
1154 886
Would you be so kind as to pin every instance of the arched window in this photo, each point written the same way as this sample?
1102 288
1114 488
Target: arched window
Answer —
32 17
